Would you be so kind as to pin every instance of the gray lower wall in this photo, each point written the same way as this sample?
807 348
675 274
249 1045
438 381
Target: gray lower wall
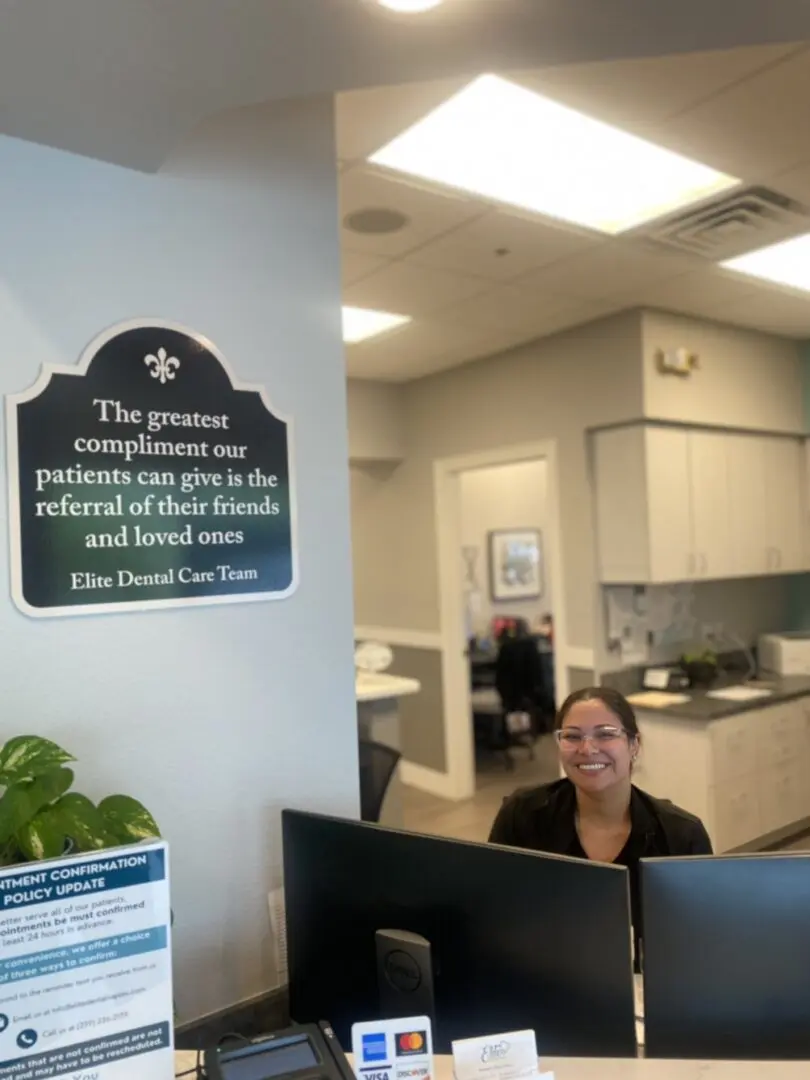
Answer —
422 714
579 678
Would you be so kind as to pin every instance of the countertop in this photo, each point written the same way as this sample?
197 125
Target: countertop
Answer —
372 686
703 708
623 1069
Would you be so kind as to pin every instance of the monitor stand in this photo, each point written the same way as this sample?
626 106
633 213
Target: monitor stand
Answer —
404 975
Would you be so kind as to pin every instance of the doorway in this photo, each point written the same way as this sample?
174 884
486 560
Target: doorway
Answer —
461 526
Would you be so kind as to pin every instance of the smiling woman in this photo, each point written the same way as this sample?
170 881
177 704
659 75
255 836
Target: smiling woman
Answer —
596 812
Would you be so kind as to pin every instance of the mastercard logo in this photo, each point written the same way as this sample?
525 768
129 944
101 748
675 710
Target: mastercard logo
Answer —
411 1042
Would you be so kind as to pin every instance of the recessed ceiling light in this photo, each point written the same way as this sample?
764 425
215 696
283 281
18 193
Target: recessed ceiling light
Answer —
376 221
361 323
410 5
504 142
785 263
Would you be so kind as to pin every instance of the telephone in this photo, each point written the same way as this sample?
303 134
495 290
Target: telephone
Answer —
308 1052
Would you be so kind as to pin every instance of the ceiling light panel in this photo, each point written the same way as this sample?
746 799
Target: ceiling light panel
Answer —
786 263
359 324
409 5
503 142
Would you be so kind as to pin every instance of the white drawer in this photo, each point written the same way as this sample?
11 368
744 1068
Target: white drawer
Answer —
779 735
782 796
802 707
737 814
734 747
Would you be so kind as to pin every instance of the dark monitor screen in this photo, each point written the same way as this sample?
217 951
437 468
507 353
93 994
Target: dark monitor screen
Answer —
727 957
518 939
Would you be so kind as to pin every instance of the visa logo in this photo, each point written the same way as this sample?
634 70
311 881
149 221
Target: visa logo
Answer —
369 1074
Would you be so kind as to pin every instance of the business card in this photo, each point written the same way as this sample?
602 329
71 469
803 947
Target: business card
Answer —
393 1049
512 1056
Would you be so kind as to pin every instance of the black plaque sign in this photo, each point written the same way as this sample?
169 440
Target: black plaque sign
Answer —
146 476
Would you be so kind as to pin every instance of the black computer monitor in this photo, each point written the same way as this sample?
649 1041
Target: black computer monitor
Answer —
518 939
727 957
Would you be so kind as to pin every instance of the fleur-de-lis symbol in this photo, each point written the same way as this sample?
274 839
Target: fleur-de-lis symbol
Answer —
162 366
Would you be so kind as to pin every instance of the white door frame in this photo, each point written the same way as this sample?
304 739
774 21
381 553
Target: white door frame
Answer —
458 734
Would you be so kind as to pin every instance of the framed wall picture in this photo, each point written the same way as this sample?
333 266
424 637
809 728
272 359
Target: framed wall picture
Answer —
515 564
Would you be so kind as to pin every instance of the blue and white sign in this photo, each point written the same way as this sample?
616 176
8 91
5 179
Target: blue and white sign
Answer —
85 967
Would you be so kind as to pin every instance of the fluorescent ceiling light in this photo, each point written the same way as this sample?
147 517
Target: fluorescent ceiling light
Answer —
360 323
785 263
506 143
410 5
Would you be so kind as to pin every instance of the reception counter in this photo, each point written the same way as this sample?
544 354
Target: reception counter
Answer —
626 1069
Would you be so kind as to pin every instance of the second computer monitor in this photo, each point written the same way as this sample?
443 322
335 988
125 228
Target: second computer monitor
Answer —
727 957
517 939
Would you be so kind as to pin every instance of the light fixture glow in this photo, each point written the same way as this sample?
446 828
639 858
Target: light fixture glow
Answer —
785 263
410 5
501 141
359 324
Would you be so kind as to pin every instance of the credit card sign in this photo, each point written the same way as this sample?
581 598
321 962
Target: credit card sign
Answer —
393 1049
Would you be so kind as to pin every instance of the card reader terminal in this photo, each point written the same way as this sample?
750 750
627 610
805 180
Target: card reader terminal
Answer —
308 1052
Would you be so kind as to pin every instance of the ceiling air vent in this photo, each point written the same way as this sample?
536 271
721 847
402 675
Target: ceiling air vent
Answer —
734 224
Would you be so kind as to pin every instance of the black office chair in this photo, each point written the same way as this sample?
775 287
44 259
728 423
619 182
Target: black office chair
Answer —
520 682
377 765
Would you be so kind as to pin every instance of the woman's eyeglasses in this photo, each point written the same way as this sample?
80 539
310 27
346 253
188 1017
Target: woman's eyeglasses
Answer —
574 739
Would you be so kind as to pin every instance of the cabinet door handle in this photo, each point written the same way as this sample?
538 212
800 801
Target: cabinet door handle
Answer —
690 564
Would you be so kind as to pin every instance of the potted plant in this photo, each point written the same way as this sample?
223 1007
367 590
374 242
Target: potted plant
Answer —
701 668
41 818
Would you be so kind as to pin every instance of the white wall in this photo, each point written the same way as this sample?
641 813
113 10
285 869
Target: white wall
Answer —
503 497
216 717
376 423
552 389
745 379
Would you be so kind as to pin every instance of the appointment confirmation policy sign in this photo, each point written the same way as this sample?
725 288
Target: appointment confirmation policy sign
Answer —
146 476
85 967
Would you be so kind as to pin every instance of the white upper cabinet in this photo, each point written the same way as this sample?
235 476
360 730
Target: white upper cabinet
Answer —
784 504
751 554
674 504
710 502
767 502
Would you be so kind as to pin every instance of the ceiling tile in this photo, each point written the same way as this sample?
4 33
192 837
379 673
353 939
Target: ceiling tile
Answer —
772 311
643 92
357 265
505 307
441 342
613 269
736 110
430 211
795 183
396 355
754 129
411 290
366 120
501 245
701 292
